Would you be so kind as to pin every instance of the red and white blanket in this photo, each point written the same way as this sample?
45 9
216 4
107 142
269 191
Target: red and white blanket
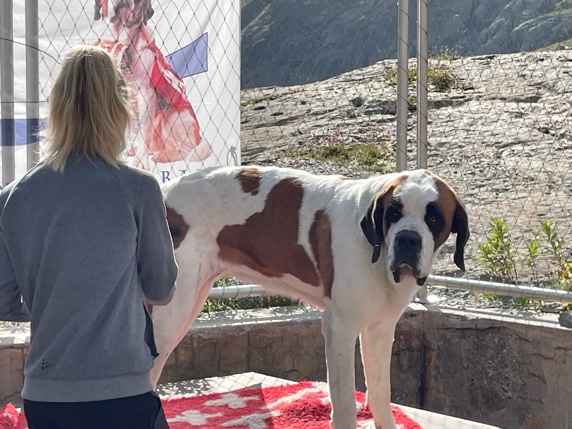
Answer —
300 405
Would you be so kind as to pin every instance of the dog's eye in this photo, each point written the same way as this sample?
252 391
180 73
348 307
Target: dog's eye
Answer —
434 219
393 213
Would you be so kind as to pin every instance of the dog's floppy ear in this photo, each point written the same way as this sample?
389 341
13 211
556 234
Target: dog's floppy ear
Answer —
461 228
372 226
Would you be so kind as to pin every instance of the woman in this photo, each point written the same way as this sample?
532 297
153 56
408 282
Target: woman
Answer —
85 242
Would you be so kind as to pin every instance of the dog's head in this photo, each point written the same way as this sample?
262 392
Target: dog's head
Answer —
125 12
412 216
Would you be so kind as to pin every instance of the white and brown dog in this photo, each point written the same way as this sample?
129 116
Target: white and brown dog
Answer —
312 238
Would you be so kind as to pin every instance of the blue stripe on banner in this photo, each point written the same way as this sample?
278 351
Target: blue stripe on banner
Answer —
191 59
20 132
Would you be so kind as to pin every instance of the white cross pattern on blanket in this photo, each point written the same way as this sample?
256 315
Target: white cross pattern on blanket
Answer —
193 417
232 400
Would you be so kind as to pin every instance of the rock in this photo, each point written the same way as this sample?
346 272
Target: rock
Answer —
565 319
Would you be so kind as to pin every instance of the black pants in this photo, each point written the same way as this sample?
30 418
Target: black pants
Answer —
135 412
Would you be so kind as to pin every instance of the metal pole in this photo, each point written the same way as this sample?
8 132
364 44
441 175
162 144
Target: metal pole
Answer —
480 286
242 291
7 91
422 98
501 288
422 70
32 83
402 59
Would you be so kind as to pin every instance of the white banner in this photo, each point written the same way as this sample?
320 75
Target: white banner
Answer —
181 60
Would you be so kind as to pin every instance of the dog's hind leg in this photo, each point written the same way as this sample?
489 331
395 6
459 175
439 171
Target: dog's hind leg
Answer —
172 322
340 341
376 342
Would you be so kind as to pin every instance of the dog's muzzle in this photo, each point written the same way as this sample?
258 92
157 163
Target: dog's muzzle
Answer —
406 251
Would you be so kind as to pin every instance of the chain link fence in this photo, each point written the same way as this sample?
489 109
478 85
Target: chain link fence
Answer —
318 93
313 85
499 83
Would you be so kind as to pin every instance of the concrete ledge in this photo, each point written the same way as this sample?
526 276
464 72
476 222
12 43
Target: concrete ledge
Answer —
502 370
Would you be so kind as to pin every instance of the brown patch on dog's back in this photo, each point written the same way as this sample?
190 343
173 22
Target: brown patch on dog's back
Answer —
249 179
177 226
267 242
321 241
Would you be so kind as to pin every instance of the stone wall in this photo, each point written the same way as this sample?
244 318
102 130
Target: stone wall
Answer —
13 351
508 371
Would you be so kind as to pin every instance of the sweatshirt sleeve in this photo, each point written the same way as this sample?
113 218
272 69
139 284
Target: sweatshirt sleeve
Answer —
155 254
12 307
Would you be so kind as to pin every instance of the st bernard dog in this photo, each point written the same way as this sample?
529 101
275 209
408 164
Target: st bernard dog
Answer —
358 249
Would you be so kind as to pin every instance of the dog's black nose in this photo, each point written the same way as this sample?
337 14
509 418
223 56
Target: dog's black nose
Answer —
407 249
408 240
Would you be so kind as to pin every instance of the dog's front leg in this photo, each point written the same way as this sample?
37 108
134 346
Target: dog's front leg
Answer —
340 351
376 341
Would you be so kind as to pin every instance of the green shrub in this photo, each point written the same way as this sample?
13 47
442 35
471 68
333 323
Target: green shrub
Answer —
554 246
497 253
440 80
499 258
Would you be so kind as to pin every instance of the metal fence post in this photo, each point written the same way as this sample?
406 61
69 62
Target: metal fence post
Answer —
422 69
7 91
32 84
402 60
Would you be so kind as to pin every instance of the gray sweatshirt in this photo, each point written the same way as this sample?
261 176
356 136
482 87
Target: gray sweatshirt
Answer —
85 249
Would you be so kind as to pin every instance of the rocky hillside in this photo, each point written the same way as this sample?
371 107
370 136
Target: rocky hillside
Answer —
287 42
502 136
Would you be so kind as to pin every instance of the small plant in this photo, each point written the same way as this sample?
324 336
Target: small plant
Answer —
446 53
391 76
411 76
373 157
531 260
440 80
523 301
497 253
412 102
495 297
527 303
499 258
555 247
